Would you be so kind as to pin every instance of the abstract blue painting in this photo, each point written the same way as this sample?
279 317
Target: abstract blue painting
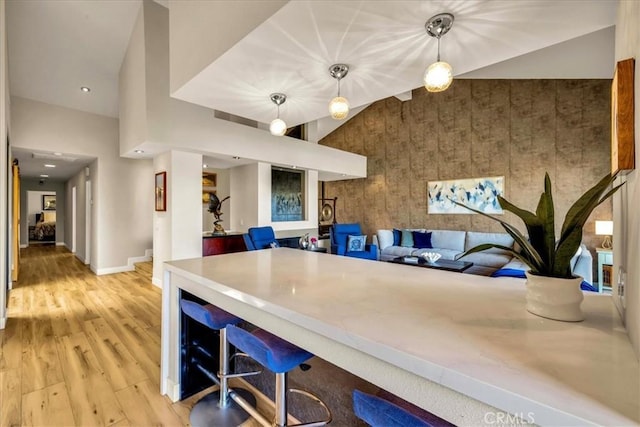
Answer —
479 193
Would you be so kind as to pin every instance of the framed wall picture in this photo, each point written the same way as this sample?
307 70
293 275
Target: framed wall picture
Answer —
622 118
161 191
209 183
49 202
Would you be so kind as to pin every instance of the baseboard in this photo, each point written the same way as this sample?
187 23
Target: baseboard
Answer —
3 322
148 253
24 246
113 270
61 244
156 282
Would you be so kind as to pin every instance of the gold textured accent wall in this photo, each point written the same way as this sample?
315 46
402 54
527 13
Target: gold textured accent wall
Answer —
477 128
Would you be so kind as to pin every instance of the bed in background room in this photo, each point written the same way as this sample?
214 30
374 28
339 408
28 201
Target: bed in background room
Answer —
45 229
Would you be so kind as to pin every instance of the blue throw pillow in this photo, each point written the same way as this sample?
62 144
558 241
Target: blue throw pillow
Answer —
397 235
356 243
406 240
422 240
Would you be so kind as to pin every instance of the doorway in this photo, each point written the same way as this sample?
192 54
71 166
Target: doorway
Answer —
41 217
88 203
74 209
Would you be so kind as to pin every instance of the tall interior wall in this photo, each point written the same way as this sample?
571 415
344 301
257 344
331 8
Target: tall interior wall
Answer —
518 129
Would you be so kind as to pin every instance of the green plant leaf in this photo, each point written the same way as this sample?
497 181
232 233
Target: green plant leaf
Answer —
513 252
527 248
565 252
545 212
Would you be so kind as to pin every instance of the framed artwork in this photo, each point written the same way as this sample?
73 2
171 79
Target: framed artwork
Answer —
287 195
49 203
209 184
622 118
478 193
161 191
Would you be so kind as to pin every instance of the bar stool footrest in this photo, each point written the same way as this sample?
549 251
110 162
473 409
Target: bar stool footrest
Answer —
207 412
317 400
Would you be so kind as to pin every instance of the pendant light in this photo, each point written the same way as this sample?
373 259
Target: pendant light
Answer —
438 75
339 106
278 127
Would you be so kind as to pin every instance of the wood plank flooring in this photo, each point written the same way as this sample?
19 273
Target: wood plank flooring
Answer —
80 349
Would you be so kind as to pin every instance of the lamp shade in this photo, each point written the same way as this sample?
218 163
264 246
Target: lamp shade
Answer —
604 228
339 108
277 127
438 76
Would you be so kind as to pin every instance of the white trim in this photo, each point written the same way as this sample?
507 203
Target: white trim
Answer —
60 244
129 267
113 270
148 253
24 246
3 322
156 282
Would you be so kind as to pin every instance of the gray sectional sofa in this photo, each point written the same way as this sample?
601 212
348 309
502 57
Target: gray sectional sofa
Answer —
452 243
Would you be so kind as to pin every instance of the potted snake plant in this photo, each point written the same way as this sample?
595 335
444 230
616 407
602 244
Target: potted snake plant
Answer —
552 289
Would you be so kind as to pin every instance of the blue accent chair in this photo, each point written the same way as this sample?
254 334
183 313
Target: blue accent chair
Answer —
340 233
259 238
378 412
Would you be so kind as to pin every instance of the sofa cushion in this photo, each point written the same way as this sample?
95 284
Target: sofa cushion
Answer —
397 235
475 238
356 243
421 240
487 259
448 239
407 239
391 252
385 239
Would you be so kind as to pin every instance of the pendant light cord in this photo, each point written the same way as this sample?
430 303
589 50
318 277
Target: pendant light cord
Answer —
438 49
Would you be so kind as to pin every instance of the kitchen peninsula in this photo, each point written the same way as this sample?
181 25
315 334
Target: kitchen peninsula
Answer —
461 346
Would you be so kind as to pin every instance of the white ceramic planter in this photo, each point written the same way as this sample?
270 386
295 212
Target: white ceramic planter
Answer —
555 298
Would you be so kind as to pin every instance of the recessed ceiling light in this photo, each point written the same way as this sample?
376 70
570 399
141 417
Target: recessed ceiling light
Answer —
85 89
138 151
49 165
236 158
205 165
57 154
44 176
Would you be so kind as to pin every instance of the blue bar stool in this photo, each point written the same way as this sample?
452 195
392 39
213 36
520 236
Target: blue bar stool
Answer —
217 408
378 412
280 357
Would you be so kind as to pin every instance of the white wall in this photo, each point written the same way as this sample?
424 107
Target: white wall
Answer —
79 182
201 31
122 188
251 201
34 206
132 102
4 165
177 232
625 204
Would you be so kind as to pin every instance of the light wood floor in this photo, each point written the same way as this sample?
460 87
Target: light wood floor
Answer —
80 349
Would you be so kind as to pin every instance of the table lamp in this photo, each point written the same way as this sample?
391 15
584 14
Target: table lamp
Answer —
605 228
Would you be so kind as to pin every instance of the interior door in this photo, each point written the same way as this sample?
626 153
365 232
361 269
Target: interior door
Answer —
15 226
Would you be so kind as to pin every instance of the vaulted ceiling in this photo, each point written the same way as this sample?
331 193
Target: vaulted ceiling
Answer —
55 47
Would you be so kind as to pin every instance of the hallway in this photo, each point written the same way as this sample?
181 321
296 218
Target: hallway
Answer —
81 349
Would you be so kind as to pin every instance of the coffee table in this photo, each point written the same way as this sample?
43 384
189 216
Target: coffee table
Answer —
441 264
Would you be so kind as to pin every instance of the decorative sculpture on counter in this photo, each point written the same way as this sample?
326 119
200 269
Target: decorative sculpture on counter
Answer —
214 207
304 241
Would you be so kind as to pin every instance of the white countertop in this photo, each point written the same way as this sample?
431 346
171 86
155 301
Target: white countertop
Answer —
468 333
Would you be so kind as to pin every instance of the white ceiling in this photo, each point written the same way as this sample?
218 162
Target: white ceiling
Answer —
55 47
32 164
387 49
